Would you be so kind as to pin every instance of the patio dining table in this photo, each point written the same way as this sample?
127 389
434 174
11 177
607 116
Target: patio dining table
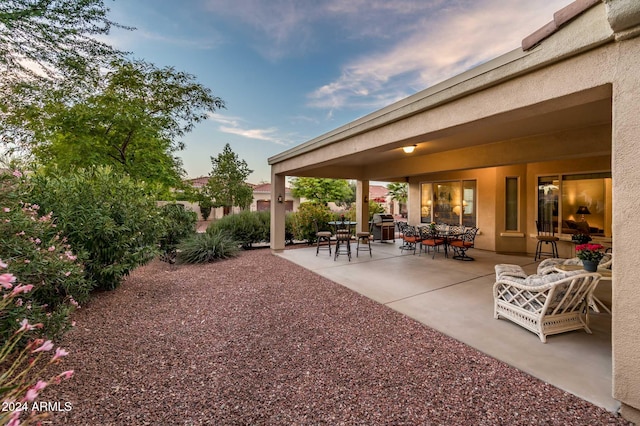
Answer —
446 234
336 224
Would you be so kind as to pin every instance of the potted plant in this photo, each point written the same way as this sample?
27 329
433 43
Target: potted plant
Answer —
580 238
590 255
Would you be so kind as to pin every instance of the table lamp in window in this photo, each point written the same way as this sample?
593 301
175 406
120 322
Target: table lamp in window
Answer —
582 210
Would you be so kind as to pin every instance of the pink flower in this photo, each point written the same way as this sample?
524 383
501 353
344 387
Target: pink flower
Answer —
59 354
33 392
22 289
2 264
70 255
31 395
27 261
66 274
15 418
66 374
25 326
40 385
52 248
37 240
19 302
7 280
17 173
46 346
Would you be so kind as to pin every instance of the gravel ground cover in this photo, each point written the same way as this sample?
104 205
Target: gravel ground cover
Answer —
258 340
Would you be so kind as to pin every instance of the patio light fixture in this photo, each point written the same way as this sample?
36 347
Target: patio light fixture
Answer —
409 148
280 198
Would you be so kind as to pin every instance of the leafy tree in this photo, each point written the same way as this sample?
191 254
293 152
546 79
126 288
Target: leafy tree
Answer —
321 190
132 123
46 44
399 191
53 35
227 184
205 204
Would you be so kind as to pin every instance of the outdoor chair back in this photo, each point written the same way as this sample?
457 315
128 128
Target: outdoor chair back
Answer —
464 243
433 238
546 237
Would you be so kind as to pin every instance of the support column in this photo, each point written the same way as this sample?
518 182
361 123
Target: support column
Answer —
362 205
624 17
278 211
413 203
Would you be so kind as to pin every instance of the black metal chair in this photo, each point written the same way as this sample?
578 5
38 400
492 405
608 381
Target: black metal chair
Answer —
546 237
432 238
410 237
464 243
323 238
343 239
364 237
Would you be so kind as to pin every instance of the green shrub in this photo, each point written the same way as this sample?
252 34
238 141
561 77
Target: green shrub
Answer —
373 209
289 226
245 227
207 247
33 249
106 215
205 203
179 223
302 221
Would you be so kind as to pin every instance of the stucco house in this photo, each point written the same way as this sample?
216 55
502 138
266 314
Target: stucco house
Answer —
262 198
535 134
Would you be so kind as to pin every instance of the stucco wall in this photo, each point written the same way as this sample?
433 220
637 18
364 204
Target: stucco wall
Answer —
485 193
626 228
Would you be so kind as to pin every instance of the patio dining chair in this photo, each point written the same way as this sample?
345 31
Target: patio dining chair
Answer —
364 238
323 238
410 237
343 239
433 238
464 243
546 237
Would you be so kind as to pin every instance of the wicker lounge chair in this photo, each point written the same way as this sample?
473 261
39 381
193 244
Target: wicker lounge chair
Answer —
544 304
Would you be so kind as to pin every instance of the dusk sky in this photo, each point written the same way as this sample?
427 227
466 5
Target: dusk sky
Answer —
291 70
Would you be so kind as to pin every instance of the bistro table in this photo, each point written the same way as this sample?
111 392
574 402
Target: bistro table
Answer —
606 276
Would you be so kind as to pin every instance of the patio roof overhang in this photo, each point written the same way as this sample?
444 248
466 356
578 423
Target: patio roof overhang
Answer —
474 116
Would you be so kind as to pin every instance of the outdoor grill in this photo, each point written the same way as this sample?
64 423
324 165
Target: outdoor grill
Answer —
384 228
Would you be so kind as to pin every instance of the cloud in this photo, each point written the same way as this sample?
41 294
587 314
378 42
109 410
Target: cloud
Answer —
289 28
233 125
462 35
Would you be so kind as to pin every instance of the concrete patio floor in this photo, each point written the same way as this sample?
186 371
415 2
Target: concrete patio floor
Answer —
455 298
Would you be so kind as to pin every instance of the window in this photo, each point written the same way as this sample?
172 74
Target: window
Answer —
452 202
585 205
511 201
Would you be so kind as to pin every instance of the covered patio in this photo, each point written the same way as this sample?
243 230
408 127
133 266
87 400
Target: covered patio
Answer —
559 112
455 298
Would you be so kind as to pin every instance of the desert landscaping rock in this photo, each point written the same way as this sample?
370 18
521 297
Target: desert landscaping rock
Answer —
258 340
